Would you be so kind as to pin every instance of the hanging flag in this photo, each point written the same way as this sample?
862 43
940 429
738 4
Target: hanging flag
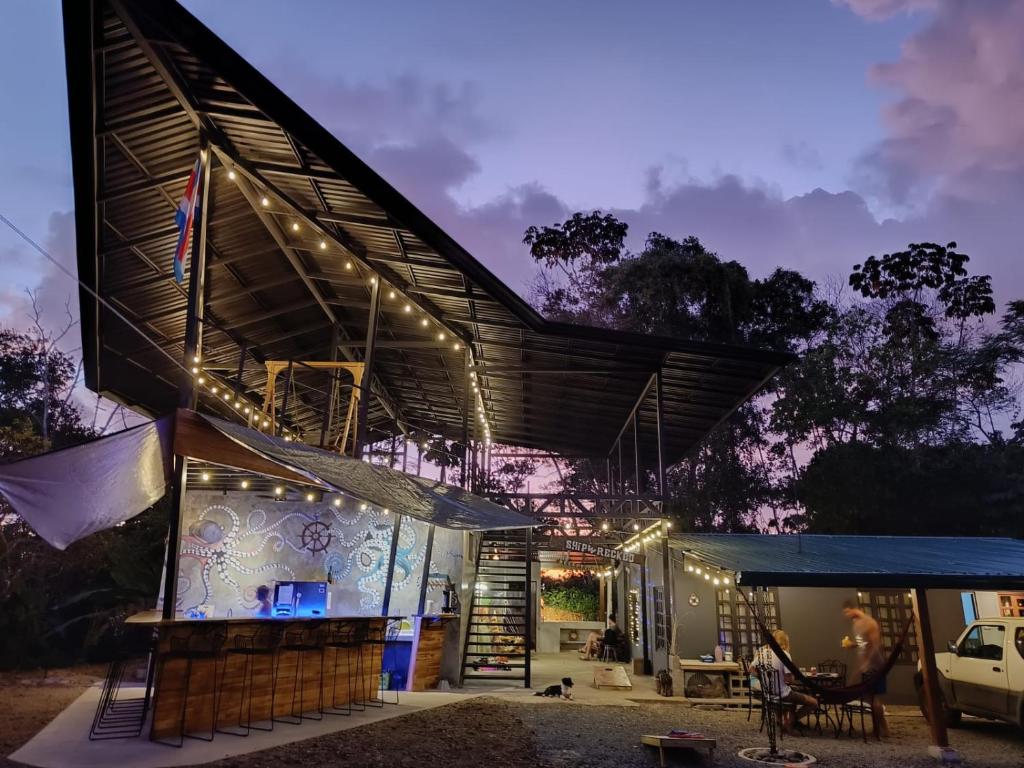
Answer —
184 217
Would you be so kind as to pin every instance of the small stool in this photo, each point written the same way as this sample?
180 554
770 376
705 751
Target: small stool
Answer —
608 653
202 643
263 643
307 639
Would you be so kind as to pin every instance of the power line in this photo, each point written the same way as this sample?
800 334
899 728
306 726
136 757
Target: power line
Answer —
91 292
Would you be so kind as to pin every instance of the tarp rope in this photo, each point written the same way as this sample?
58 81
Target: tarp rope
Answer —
830 695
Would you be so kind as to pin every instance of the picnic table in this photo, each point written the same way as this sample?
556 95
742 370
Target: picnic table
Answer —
675 742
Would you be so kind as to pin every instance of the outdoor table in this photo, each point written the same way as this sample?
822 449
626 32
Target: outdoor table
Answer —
671 742
723 669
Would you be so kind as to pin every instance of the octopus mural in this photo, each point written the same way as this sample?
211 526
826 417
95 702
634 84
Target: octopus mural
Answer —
235 542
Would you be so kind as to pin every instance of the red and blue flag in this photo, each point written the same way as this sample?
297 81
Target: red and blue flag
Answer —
184 216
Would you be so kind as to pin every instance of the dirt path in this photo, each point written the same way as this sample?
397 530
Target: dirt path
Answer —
32 699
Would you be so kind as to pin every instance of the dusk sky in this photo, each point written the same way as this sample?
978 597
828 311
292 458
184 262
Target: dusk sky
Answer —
805 134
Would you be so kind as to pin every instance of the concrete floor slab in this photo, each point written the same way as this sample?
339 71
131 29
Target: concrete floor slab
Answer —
64 743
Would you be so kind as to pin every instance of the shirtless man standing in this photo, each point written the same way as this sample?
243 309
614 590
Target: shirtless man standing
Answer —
868 640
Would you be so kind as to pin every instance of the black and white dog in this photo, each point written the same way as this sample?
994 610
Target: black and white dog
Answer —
563 691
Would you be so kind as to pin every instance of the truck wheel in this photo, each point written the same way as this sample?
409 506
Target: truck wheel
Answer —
951 717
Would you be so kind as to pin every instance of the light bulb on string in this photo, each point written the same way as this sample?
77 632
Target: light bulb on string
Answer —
265 201
392 295
244 484
310 497
323 245
201 379
278 491
232 175
337 502
407 308
348 265
424 322
295 226
205 476
213 390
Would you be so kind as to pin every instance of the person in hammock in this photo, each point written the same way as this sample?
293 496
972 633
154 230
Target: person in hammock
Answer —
767 662
867 638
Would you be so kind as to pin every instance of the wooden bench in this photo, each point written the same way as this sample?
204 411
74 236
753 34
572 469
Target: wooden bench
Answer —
668 742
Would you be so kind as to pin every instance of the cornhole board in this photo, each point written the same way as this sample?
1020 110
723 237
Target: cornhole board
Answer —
612 677
667 742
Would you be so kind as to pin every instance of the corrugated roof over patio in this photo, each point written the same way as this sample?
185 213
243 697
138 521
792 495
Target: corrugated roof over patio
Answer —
297 225
860 561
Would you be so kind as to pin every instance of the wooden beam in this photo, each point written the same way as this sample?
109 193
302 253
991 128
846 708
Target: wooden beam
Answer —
194 438
930 673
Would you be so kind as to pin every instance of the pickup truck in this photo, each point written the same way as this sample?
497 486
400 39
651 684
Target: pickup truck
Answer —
982 673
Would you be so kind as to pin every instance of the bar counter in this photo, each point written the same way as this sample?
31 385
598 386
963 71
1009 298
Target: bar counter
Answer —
219 671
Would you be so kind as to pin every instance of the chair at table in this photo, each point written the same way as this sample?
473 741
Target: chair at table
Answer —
837 668
753 686
197 643
262 643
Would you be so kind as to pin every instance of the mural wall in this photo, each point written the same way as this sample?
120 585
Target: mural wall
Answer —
234 542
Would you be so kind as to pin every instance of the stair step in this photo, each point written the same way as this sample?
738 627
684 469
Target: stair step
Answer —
474 676
503 655
510 665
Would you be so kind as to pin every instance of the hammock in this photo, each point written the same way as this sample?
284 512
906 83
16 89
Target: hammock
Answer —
842 695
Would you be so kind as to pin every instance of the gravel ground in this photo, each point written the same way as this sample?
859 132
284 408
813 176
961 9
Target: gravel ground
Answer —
498 733
32 699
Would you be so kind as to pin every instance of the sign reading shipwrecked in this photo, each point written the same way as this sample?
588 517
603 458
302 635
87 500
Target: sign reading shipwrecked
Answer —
605 550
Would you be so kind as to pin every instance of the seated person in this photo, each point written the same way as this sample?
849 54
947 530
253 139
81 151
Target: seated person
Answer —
612 636
592 647
264 609
766 662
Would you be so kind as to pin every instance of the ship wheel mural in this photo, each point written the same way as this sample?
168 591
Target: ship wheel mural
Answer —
316 536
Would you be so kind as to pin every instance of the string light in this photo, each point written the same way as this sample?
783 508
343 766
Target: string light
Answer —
295 226
213 390
323 245
604 526
348 265
337 502
201 379
408 307
238 405
424 322
362 507
195 369
373 280
231 175
456 346
266 422
392 295
636 526
227 396
246 410
245 484
440 337
310 497
387 511
265 201
205 476
195 358
278 490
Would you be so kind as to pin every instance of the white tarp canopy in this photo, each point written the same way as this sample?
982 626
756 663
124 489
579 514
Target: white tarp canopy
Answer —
70 493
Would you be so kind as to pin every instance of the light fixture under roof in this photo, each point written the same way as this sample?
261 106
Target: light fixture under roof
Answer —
265 201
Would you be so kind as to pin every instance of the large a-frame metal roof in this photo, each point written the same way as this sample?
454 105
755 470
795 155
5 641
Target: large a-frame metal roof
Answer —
145 78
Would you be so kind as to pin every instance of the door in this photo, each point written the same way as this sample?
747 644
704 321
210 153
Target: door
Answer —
979 671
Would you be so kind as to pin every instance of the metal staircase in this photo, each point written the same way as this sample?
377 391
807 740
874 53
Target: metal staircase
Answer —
497 636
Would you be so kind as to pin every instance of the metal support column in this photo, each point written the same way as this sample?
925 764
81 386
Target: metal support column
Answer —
645 612
527 646
467 409
391 566
328 420
426 570
364 391
188 393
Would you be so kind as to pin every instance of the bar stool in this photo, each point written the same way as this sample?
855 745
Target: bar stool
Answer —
347 637
263 643
379 637
608 653
307 639
203 642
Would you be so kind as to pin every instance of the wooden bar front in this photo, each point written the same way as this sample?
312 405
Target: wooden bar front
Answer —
170 682
427 651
